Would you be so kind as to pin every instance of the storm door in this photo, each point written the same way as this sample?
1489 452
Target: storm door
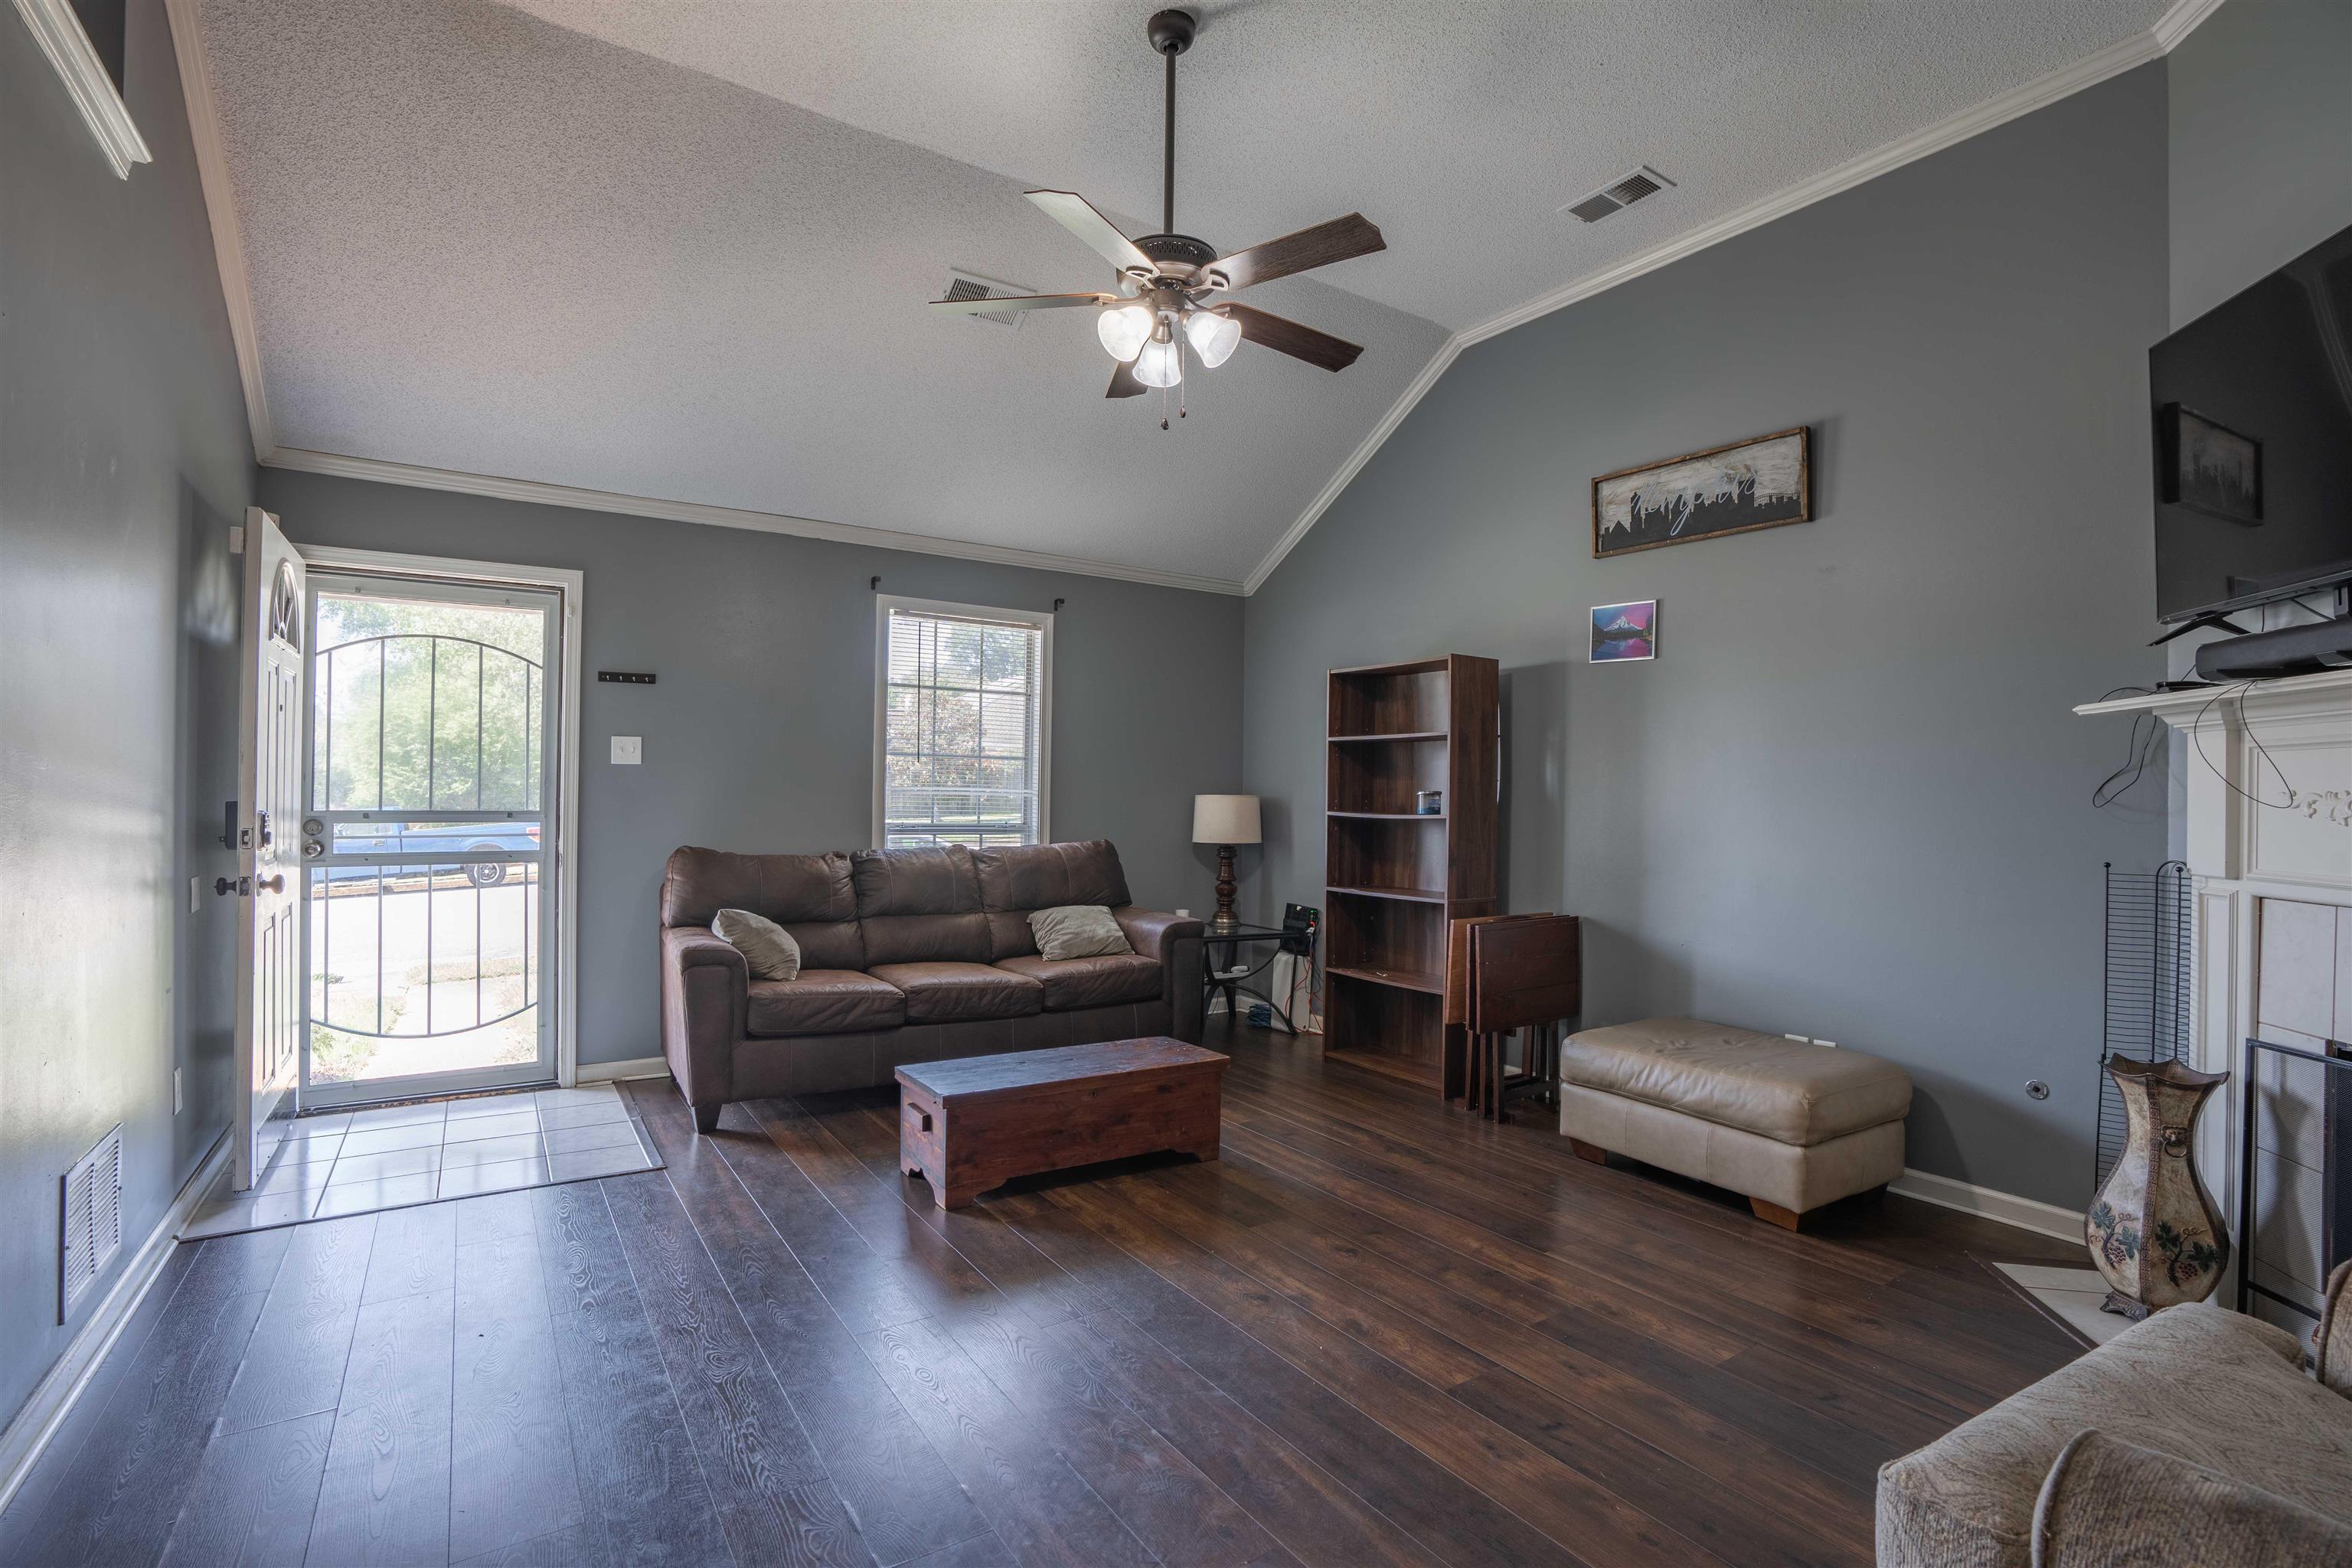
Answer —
429 837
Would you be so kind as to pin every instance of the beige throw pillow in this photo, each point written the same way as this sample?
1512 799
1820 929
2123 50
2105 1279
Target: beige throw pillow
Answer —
766 946
1077 931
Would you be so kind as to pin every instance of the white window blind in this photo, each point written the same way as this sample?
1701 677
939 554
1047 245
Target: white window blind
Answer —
962 725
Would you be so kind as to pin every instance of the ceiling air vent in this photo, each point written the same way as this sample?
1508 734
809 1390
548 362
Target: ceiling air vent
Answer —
965 286
1621 193
91 1233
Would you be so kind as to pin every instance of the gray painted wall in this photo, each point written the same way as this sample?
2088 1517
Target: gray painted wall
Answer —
1848 800
759 734
123 460
2261 144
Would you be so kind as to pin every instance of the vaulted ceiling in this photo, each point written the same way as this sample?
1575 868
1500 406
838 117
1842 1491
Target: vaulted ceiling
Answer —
679 249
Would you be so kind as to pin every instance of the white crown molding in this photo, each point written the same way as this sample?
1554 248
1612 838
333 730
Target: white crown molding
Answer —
1439 362
59 33
2182 19
2175 25
220 206
45 1411
723 517
2026 1214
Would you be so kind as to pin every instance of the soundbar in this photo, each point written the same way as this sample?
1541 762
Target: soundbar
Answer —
2290 650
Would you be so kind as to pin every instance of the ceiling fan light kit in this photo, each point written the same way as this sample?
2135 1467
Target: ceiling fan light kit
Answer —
1170 285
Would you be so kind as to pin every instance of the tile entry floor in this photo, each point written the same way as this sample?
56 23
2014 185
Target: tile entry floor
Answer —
2069 1295
358 1162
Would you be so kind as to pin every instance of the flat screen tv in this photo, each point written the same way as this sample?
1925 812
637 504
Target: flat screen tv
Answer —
2253 442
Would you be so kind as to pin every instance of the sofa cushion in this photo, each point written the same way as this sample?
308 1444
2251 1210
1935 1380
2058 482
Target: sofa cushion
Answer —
825 1001
951 992
1789 1090
935 880
1016 878
2215 1388
920 906
1090 981
809 895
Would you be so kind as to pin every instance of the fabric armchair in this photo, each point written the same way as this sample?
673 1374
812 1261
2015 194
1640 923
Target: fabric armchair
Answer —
2110 1504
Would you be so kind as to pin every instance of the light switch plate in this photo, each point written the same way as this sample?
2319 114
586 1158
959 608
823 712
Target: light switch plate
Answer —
629 749
195 893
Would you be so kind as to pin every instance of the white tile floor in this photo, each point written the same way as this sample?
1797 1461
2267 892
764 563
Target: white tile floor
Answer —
360 1161
2069 1295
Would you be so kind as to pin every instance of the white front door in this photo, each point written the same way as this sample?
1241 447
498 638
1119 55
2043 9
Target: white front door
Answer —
269 855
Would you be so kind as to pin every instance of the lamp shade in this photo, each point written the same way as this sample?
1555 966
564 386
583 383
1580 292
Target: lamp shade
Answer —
1224 819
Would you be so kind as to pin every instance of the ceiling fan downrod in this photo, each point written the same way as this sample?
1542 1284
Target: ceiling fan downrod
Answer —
1171 33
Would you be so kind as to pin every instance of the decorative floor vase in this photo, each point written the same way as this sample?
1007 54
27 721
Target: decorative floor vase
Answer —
2154 1231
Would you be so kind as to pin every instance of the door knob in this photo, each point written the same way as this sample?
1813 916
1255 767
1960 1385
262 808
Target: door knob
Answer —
271 884
222 885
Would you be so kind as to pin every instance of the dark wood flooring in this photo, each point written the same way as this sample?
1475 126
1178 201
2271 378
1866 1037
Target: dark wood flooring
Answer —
1375 1332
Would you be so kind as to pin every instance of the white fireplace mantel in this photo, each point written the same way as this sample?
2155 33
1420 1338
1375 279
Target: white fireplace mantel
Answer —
2268 788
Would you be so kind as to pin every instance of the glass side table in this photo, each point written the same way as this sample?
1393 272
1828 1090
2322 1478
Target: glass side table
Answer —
1230 970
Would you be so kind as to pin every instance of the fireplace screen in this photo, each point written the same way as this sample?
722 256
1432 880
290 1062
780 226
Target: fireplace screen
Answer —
2148 1009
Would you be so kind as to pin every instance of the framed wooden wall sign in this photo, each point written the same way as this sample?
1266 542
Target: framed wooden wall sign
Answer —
1763 482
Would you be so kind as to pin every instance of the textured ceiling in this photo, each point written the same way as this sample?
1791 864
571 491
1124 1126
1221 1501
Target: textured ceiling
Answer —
678 248
1459 128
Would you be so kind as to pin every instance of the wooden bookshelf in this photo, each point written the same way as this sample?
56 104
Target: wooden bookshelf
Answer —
1395 878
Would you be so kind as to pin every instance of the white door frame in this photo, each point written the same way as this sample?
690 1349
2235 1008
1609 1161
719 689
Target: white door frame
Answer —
570 584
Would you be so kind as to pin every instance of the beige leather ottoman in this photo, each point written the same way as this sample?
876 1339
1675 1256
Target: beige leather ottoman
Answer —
1787 1125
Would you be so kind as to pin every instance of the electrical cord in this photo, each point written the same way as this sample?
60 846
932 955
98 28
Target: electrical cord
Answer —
2197 744
2144 741
2146 732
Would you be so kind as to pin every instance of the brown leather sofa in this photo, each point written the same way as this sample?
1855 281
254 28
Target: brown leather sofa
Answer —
907 955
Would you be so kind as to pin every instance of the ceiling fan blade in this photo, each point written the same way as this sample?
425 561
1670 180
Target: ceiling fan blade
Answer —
1078 215
1309 247
1285 336
1122 381
1019 303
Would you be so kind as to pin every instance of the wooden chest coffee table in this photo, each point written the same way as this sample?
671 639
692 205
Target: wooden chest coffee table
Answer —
968 1124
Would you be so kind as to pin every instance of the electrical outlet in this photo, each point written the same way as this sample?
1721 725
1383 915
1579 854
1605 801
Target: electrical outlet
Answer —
1801 1039
177 1101
629 749
1831 1044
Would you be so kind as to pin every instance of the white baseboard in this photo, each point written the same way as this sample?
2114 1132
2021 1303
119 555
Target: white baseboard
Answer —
611 1072
28 1435
2026 1214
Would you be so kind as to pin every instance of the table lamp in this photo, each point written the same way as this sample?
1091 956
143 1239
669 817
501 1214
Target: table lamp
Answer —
1224 820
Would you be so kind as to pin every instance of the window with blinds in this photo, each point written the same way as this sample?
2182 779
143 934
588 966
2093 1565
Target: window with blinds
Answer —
962 725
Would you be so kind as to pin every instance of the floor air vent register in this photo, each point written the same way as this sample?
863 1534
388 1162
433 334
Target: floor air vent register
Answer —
91 1231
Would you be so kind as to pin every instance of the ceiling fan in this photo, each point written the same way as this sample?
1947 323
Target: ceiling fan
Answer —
1173 289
